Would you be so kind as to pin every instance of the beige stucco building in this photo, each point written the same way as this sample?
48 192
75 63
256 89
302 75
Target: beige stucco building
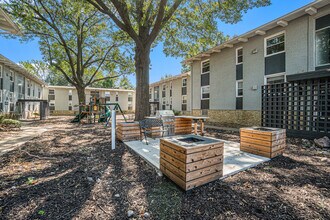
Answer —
64 99
172 93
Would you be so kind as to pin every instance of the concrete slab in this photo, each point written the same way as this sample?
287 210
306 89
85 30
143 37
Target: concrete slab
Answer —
25 134
234 160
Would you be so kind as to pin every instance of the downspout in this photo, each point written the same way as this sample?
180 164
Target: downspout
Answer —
191 87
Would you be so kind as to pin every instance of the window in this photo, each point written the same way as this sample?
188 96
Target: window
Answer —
164 105
150 94
171 87
184 86
184 82
1 78
205 66
20 87
11 78
117 97
275 79
33 88
51 95
239 55
29 88
184 103
164 91
1 107
322 46
239 88
95 94
130 97
107 96
52 106
39 93
205 92
70 95
70 106
156 93
275 44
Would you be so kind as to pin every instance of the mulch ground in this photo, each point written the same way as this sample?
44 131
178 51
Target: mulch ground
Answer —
71 173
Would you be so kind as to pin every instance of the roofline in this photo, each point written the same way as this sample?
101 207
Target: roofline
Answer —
7 62
261 30
91 88
171 78
14 28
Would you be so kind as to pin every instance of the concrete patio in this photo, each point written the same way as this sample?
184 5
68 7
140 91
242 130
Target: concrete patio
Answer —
234 160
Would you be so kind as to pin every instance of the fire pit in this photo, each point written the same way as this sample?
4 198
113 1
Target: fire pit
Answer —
266 142
191 160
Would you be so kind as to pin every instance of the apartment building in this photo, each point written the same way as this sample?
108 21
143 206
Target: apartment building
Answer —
228 80
20 91
63 100
172 93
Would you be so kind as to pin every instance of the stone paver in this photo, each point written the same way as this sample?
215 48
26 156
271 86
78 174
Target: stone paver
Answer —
234 160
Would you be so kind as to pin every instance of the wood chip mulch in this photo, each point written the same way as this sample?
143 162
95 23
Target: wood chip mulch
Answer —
71 173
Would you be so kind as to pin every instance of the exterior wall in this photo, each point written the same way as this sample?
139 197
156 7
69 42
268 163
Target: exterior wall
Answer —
176 99
9 102
299 57
62 98
234 118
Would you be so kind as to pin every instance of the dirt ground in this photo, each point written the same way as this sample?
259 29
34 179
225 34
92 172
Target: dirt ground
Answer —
71 173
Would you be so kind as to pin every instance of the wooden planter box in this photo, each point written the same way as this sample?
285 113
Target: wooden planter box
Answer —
266 142
131 131
191 164
128 131
183 126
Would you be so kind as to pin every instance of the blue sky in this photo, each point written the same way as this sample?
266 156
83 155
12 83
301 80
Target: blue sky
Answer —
160 64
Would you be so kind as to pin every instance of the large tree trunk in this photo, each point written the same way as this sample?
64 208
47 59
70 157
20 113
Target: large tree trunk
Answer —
142 64
81 95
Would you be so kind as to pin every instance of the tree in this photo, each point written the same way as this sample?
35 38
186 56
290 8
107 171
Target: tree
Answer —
74 38
125 83
178 23
166 76
37 68
45 72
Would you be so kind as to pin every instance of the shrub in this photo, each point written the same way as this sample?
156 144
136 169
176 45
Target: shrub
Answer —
10 123
176 113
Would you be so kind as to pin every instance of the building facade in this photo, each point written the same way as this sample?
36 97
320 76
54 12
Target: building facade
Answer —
172 93
227 80
63 100
17 86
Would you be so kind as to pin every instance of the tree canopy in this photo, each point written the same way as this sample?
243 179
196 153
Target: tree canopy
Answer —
185 28
74 38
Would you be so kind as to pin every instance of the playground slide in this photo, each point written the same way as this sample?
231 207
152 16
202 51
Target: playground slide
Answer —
76 119
106 116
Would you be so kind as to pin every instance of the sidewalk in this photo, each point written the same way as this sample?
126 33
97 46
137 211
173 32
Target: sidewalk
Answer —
25 134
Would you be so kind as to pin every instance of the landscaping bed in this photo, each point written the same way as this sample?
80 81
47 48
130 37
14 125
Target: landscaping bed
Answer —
71 173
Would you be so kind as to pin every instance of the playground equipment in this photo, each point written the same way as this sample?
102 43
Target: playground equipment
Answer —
97 108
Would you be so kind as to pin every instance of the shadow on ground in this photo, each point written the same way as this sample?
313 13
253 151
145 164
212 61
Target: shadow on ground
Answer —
71 173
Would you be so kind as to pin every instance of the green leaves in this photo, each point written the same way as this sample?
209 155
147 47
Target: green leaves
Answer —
76 40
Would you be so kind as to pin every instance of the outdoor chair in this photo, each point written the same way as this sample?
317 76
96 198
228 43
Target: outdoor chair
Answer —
147 125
